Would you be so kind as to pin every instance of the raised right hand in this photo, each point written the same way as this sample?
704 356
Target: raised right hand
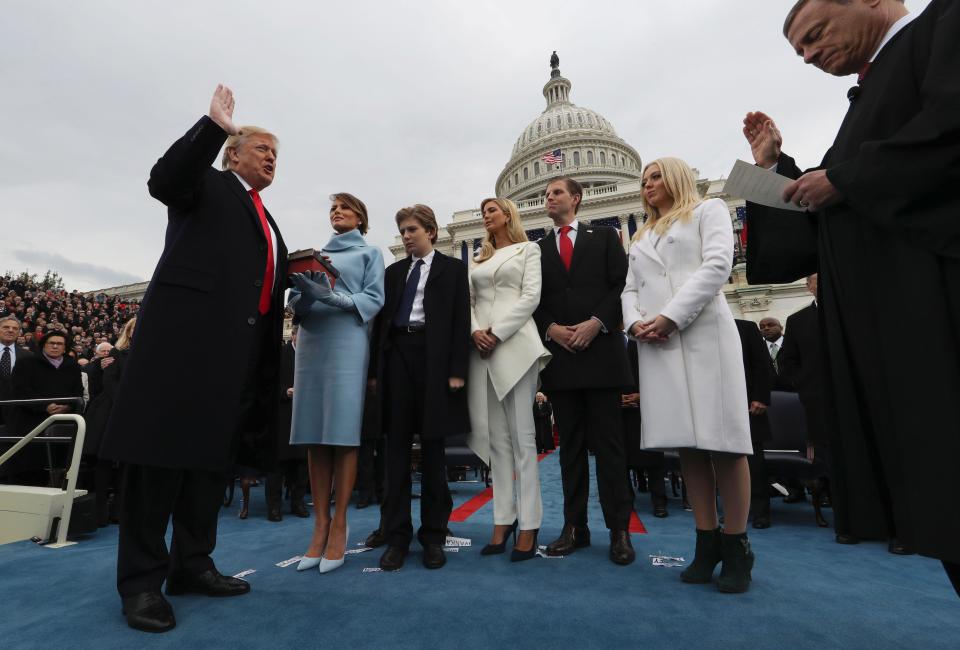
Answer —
764 138
221 109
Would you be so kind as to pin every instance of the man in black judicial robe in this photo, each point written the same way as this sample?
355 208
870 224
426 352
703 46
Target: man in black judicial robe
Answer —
180 419
883 225
756 367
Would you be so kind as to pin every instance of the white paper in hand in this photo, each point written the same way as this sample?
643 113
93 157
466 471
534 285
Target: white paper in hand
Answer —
758 185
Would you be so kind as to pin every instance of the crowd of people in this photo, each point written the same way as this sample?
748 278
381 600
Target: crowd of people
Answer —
437 349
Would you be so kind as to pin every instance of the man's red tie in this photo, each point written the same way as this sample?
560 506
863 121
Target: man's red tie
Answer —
266 292
566 246
863 72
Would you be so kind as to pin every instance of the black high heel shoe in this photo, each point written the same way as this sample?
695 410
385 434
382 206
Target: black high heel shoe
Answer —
520 556
496 549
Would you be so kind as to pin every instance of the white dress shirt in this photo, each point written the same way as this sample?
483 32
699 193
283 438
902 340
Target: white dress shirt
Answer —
13 354
417 315
273 234
894 29
778 343
572 234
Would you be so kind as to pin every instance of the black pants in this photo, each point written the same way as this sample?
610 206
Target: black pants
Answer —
371 473
405 378
294 473
151 495
593 413
759 482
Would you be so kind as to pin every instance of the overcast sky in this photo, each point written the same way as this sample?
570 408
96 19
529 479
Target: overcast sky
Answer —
395 102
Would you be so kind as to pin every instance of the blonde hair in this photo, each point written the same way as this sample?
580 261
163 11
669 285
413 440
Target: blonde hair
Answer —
681 185
515 232
238 140
126 334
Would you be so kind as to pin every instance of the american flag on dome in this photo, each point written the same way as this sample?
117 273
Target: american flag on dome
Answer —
555 157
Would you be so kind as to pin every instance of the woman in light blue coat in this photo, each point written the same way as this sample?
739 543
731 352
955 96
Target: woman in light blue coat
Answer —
331 372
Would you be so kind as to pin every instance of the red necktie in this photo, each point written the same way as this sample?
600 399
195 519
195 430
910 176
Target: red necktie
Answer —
863 72
566 246
266 292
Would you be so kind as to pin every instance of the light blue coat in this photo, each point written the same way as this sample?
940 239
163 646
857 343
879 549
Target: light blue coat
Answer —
333 348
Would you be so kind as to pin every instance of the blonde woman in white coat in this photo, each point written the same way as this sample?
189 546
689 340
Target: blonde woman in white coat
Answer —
692 388
504 367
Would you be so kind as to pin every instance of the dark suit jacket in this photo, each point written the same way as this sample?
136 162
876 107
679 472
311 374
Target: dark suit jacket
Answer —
179 407
34 377
7 415
756 366
592 287
446 303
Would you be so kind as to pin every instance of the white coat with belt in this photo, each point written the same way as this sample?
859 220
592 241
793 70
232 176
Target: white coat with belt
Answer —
692 388
504 292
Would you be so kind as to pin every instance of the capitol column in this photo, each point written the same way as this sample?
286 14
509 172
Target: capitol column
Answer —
624 231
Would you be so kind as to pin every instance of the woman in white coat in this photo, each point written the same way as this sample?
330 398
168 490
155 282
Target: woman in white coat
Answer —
504 292
692 388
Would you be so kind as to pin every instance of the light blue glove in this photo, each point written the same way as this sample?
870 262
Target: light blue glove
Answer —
312 288
317 287
333 298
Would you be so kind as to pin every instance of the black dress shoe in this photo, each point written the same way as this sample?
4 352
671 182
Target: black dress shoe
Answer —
660 510
244 513
299 510
847 538
761 522
208 583
392 558
363 502
149 612
621 550
376 539
274 515
571 538
433 556
899 548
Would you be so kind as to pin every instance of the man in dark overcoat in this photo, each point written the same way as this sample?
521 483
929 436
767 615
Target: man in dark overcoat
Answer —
180 418
756 369
882 226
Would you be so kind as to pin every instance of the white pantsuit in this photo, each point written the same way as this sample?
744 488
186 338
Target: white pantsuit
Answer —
504 292
692 388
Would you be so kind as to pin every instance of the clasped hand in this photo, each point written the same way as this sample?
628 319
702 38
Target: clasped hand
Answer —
486 342
574 338
657 330
313 285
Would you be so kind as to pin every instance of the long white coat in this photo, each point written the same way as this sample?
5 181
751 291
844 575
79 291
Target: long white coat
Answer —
692 388
504 292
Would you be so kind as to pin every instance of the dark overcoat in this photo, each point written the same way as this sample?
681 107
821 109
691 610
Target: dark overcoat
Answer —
757 369
889 301
446 304
592 287
800 365
178 405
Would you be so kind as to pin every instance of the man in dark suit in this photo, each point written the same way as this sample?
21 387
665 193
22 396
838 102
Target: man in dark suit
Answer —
772 332
543 420
420 351
756 366
10 353
641 460
584 271
881 222
181 419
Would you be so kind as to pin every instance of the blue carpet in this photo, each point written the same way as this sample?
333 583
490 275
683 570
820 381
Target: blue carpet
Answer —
808 592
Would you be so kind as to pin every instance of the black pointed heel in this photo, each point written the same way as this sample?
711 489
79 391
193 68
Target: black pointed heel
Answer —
496 549
520 556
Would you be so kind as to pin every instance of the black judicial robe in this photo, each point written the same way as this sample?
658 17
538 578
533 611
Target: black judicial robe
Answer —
889 263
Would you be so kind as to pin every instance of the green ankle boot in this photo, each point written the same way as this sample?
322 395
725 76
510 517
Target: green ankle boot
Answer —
705 558
737 564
